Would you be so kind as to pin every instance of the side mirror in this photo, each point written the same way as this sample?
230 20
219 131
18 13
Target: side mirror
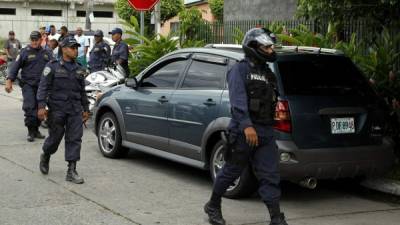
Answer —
132 83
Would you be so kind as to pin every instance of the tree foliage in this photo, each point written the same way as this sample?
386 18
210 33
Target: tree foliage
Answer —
217 9
170 8
382 12
190 21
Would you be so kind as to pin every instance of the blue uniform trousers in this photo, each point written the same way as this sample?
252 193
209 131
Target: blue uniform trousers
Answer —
29 105
264 160
61 123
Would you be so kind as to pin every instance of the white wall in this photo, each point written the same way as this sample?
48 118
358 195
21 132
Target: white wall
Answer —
23 23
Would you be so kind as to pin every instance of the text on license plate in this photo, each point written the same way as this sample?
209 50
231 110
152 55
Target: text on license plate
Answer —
342 125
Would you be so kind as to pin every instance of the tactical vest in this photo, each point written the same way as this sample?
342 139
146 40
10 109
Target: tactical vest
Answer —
98 55
66 88
260 87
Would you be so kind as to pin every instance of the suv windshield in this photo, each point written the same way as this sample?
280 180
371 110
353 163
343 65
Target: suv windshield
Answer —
321 75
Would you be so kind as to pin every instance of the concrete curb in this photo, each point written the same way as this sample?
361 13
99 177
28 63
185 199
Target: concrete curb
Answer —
383 185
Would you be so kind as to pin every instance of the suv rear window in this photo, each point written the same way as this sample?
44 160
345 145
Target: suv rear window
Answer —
321 75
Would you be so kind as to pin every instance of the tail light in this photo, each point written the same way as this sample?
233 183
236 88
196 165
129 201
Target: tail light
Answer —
282 117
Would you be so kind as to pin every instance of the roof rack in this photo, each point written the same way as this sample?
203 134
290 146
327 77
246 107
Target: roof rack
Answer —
310 49
284 48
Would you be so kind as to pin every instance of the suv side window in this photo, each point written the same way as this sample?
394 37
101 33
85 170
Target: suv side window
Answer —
205 75
166 76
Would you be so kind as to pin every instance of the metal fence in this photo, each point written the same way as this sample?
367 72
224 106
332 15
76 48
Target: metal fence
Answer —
216 32
224 33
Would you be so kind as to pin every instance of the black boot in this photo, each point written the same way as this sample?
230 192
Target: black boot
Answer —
31 134
213 210
44 163
72 175
277 218
38 134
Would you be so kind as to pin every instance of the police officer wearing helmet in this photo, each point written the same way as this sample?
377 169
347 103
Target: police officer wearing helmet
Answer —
120 52
62 90
31 61
251 136
100 53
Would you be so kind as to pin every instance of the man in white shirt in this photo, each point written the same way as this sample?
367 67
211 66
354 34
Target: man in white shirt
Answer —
53 33
83 49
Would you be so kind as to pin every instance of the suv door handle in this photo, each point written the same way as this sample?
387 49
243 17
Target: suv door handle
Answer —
209 102
163 99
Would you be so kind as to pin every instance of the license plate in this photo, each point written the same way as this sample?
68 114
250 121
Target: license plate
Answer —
342 125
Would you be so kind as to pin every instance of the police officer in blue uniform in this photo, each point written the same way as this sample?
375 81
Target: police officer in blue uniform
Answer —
120 52
252 96
100 54
62 90
31 61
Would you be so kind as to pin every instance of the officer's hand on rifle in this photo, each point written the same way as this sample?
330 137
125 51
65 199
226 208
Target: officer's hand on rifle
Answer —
8 86
42 114
251 136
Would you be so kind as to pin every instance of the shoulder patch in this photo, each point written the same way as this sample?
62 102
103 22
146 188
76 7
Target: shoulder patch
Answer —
46 71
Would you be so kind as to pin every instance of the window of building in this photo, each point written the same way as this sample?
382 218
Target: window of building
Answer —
175 27
105 14
80 13
7 11
46 12
102 14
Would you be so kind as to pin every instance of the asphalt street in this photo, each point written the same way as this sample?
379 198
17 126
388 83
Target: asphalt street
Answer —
143 189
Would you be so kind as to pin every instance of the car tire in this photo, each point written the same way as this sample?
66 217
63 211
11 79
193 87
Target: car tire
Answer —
244 186
109 137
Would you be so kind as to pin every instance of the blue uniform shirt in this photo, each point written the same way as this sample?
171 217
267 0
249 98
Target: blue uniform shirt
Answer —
239 100
99 56
120 51
62 87
32 62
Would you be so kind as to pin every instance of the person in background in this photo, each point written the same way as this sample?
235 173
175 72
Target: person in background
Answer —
31 61
12 47
120 52
100 53
63 33
83 49
42 31
53 33
53 47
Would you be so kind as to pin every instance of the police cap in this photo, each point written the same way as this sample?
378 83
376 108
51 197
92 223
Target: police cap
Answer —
69 42
98 33
35 35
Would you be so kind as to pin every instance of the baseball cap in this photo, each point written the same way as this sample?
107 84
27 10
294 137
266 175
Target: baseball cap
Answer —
98 33
69 42
115 31
35 35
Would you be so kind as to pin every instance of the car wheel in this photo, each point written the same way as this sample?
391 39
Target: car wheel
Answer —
244 186
109 137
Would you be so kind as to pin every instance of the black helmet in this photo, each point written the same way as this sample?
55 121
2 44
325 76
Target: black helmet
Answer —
253 39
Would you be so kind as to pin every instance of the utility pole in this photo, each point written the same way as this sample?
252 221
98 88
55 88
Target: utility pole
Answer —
157 18
89 10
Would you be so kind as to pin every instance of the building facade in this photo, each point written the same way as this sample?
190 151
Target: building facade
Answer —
240 10
23 16
172 24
